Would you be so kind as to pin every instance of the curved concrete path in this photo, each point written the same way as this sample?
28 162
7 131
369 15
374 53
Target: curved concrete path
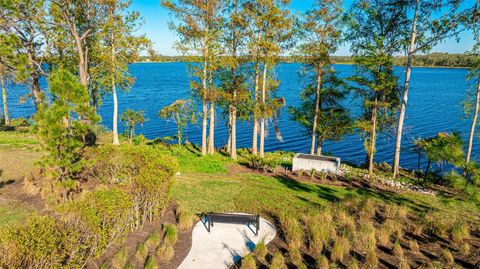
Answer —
224 245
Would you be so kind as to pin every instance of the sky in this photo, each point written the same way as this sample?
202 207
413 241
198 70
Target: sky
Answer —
156 28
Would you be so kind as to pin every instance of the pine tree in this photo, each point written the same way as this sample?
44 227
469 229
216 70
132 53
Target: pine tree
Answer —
131 119
321 110
374 28
198 25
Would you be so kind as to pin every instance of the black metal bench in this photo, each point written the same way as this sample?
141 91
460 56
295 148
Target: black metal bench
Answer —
254 220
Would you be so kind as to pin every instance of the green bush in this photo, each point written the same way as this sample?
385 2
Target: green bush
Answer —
272 161
147 174
107 212
45 242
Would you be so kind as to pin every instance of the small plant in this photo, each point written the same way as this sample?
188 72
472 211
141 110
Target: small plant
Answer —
295 256
120 259
170 237
128 266
165 252
403 264
366 238
151 263
353 264
319 231
141 253
130 119
248 262
260 251
459 233
383 234
371 259
153 240
413 245
293 231
465 249
447 257
322 262
184 218
278 261
397 249
341 247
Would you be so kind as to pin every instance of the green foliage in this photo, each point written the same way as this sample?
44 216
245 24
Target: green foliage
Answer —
278 261
248 262
182 112
44 242
151 263
444 147
130 119
153 240
260 251
170 232
146 172
107 212
62 128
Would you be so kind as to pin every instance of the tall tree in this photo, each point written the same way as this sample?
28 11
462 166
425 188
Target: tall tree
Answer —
428 28
198 25
12 67
321 110
26 19
374 30
472 105
232 73
118 47
270 33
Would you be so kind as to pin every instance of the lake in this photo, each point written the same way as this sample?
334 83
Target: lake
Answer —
435 105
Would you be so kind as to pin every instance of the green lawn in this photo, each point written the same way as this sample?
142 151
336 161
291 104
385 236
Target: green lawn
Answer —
17 139
11 214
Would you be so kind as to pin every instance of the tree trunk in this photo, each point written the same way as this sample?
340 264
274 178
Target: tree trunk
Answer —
211 137
130 138
36 91
262 121
373 138
205 112
474 124
427 169
114 95
315 115
4 98
319 147
229 142
233 120
255 119
403 106
233 152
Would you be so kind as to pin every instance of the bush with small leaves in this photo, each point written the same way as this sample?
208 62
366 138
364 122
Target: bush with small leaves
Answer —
45 242
151 263
248 262
278 261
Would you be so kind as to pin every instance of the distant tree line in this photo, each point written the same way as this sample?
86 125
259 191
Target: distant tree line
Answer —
437 59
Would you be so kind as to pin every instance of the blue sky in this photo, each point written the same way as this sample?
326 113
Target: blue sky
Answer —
156 28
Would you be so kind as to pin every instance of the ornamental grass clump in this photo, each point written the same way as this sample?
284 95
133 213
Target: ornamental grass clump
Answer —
278 261
322 262
150 263
413 245
293 231
153 240
447 257
184 217
248 262
260 251
141 252
120 259
397 249
460 231
341 248
170 234
319 231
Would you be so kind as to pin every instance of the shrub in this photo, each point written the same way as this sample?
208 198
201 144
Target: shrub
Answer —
107 212
278 261
146 172
153 240
45 242
170 232
248 262
260 251
151 263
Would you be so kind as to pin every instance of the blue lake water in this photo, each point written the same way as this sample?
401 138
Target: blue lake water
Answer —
435 105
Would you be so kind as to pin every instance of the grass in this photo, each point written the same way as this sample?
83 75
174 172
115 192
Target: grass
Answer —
11 139
11 214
